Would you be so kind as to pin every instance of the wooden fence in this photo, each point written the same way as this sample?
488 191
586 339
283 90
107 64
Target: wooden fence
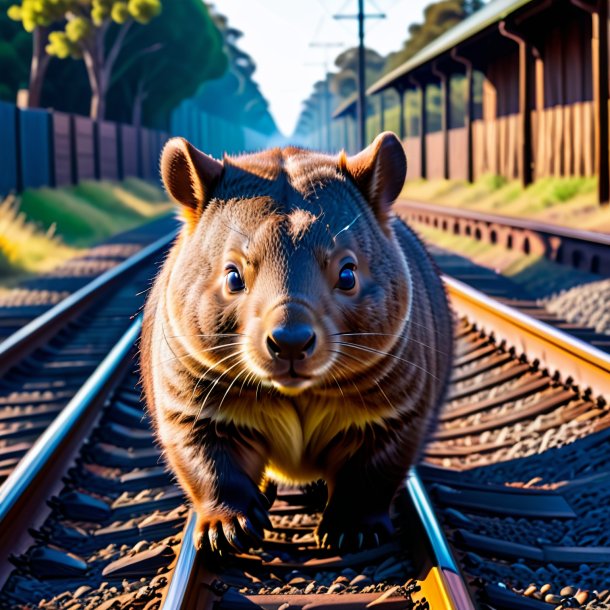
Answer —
562 145
43 148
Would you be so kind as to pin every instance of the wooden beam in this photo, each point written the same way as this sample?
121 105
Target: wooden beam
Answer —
401 110
420 87
423 120
599 45
525 111
445 115
468 111
525 103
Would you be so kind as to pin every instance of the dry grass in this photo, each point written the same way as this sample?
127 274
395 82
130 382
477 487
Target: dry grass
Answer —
565 201
44 227
24 248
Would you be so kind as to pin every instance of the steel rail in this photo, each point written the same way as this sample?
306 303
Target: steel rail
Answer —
31 336
24 491
586 366
184 569
534 226
445 586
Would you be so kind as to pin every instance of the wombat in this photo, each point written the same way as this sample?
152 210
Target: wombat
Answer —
297 331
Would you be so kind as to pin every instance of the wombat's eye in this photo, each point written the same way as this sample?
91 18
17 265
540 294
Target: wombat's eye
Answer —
235 282
347 277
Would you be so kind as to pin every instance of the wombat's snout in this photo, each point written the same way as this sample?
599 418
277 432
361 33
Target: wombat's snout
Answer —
291 341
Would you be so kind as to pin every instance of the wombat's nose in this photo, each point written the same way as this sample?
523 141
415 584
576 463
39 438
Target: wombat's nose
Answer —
295 342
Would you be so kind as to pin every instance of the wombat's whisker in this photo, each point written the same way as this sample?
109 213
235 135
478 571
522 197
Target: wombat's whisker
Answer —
201 351
203 377
338 384
245 381
391 335
342 374
232 228
347 227
208 335
233 382
384 394
215 383
382 353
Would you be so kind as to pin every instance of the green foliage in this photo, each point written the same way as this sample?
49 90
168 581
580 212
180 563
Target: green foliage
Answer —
91 211
438 18
38 225
565 189
83 17
166 61
493 182
15 54
36 13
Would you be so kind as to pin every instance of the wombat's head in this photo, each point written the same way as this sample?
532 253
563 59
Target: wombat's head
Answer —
287 271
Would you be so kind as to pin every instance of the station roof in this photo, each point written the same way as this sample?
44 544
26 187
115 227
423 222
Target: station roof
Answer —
490 14
346 107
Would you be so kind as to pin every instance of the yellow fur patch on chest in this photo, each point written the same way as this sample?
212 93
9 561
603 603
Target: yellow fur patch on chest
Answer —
298 431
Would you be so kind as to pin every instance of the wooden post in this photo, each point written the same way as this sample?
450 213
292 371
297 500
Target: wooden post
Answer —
525 112
599 68
423 114
401 118
525 105
468 111
445 110
599 44
381 112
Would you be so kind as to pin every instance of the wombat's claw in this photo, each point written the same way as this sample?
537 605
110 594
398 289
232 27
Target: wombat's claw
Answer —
349 535
224 533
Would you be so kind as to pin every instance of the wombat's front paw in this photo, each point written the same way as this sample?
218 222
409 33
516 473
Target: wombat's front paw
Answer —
238 519
223 530
347 531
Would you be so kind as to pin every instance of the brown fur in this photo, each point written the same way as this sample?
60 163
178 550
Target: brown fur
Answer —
224 413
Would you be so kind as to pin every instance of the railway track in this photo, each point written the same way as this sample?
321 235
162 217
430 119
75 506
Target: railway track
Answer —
583 250
35 296
45 362
496 285
508 509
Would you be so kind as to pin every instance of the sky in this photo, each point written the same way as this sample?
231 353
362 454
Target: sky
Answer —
278 35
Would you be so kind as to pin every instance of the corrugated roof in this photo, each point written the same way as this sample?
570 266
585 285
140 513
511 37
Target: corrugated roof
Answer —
491 13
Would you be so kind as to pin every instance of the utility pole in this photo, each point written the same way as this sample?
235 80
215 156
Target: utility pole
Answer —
361 105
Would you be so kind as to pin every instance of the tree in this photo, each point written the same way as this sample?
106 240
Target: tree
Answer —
438 18
15 50
345 82
165 62
96 30
37 16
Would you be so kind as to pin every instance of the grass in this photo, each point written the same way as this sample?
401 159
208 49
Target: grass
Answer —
44 227
24 248
92 211
566 201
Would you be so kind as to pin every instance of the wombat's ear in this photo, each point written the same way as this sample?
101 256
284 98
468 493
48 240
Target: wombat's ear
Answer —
189 176
379 171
